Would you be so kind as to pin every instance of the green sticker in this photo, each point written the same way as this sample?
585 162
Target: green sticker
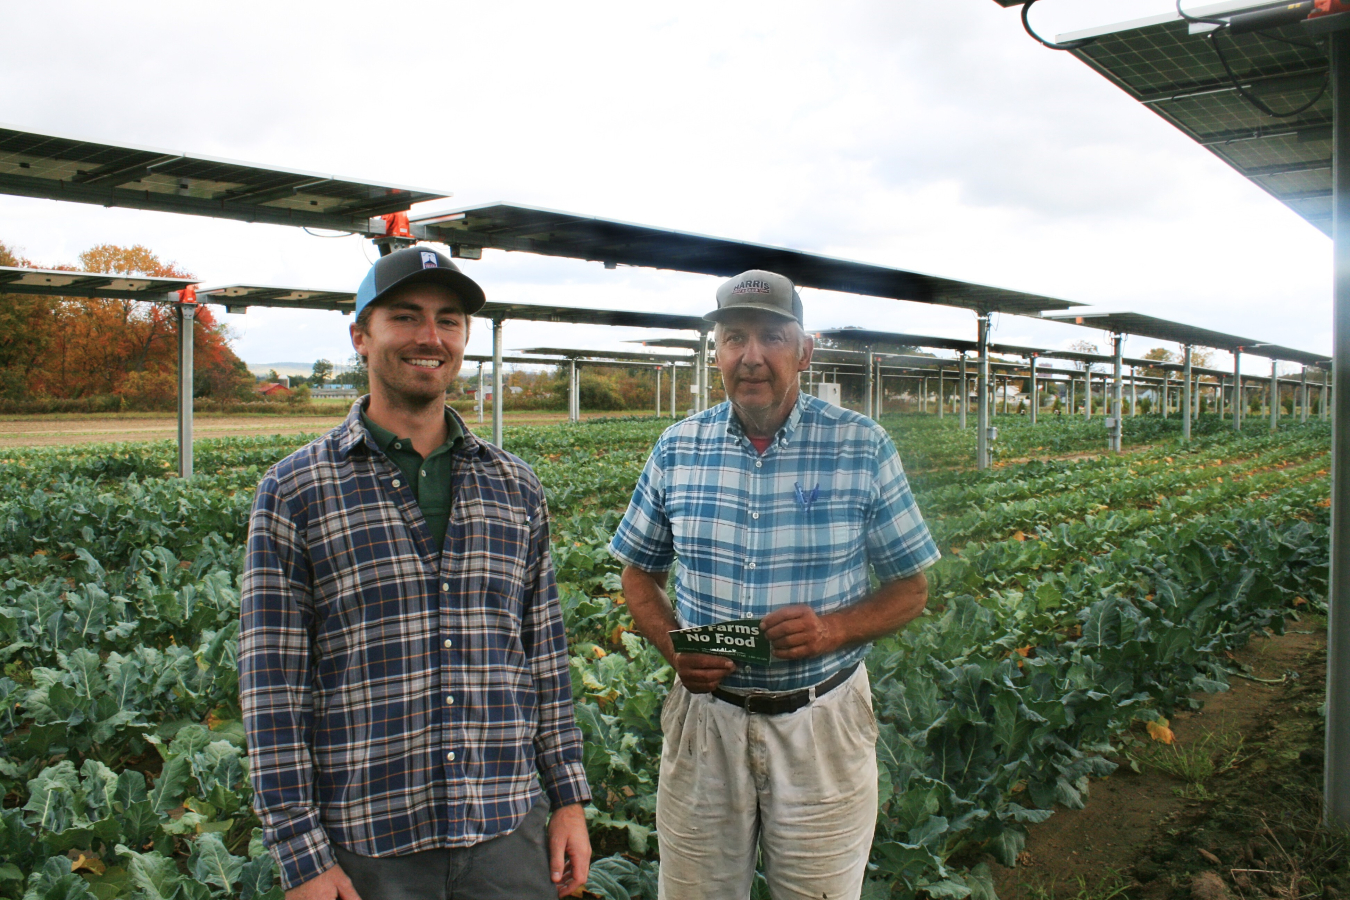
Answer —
739 639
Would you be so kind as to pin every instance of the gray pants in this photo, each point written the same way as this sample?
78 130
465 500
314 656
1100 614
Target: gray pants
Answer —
508 867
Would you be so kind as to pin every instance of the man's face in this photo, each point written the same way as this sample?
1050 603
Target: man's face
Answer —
759 355
414 342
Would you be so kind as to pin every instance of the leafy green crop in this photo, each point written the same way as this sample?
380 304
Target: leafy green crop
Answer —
1076 597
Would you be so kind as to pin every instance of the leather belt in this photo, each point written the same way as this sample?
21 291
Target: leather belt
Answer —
778 704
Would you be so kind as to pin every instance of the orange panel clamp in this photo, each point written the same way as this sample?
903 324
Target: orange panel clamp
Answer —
396 225
1328 7
188 294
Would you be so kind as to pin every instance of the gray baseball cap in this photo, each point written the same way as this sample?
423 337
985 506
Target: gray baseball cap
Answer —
757 289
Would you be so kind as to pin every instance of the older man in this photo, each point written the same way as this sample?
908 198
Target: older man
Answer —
403 667
776 505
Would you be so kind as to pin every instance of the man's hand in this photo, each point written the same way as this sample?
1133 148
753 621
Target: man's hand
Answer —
569 848
701 673
333 884
796 632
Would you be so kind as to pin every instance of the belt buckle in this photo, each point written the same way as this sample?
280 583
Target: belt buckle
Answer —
752 700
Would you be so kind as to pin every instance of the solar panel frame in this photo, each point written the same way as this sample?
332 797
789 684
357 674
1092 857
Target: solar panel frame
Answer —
56 167
549 232
93 285
1172 68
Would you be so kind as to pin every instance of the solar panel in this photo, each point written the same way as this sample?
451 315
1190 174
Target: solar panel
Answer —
551 233
1180 333
59 283
64 168
1174 68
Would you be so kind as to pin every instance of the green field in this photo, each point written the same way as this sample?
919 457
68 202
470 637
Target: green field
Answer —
1080 596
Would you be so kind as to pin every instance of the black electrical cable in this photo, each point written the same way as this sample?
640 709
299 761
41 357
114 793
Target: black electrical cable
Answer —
1237 82
1257 101
1069 45
317 235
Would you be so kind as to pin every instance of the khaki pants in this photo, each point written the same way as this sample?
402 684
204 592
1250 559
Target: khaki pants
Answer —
801 788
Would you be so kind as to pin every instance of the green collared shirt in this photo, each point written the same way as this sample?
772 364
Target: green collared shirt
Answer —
431 479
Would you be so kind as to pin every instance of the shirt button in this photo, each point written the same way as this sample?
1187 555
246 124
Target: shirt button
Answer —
424 473
754 515
759 464
449 643
397 482
397 445
450 699
752 565
445 586
450 756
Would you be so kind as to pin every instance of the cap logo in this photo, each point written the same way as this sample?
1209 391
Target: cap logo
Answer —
753 286
429 260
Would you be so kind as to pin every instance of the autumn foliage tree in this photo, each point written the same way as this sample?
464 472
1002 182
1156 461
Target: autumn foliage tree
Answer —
77 348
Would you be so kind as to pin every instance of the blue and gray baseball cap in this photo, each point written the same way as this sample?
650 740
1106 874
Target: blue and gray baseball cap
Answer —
418 265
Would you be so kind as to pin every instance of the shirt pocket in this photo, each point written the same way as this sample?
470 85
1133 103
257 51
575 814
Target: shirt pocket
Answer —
498 558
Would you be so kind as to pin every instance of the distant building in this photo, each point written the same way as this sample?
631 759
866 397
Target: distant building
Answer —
272 389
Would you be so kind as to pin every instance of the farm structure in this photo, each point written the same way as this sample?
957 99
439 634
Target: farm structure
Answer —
995 708
1266 88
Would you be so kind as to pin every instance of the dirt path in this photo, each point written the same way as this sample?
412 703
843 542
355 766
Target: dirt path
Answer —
65 431
1252 823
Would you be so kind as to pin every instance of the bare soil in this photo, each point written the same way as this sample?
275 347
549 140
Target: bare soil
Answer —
1253 826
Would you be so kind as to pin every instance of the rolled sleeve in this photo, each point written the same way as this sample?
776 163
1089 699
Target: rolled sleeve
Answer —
557 743
644 537
899 544
274 686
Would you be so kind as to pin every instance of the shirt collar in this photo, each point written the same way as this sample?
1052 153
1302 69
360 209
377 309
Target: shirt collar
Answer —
785 431
357 430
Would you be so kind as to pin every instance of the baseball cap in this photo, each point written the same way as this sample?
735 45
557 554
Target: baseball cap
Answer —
418 265
758 289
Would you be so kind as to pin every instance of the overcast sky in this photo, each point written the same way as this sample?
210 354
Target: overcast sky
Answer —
931 135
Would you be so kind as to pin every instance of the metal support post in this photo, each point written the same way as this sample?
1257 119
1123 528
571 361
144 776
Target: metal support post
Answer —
1118 399
1274 394
1303 395
942 391
497 381
1186 393
480 393
658 392
1323 396
982 393
573 401
1072 399
674 377
1087 391
965 391
187 314
1035 397
1134 392
1337 766
867 383
701 375
1237 389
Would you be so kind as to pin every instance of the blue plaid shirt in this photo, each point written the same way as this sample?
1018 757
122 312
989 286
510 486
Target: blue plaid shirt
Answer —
400 696
797 525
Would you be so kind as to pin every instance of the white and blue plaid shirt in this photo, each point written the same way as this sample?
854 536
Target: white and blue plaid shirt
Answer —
797 525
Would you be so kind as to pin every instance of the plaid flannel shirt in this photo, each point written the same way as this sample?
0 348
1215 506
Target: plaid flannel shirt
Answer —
797 525
399 696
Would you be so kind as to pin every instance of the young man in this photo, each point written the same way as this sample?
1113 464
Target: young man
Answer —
776 505
403 667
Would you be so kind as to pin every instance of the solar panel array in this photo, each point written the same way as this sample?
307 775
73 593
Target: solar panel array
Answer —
552 233
62 168
1180 75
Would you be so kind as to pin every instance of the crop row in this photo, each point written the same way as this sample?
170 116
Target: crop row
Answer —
122 758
